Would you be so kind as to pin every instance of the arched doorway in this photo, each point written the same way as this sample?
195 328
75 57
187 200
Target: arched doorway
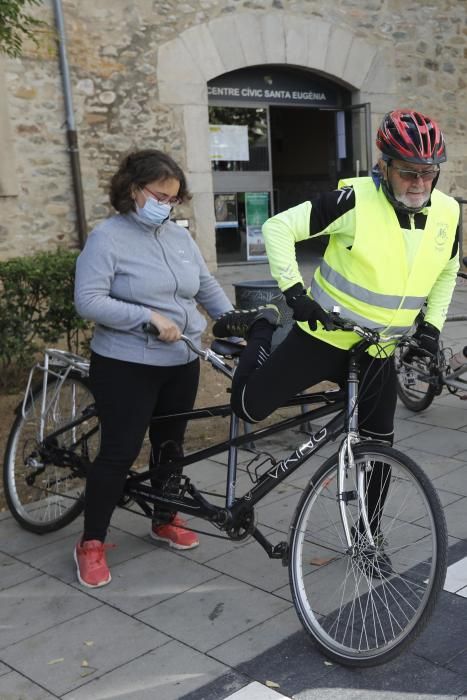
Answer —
278 136
187 63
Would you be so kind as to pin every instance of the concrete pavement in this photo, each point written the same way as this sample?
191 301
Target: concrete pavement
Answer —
217 622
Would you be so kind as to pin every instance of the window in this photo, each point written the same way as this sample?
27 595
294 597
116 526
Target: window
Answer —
256 122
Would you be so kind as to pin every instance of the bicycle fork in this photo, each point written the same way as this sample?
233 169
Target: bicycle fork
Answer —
346 464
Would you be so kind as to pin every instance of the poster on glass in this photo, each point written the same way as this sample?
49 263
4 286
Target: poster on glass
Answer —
257 211
225 208
228 142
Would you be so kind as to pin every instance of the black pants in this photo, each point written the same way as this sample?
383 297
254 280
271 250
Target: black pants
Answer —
261 385
127 396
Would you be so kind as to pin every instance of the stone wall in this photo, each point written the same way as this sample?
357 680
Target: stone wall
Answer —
389 52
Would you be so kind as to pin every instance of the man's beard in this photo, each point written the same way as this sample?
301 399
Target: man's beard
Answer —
410 203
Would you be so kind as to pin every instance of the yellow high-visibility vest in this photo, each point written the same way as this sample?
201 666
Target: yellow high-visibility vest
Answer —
372 282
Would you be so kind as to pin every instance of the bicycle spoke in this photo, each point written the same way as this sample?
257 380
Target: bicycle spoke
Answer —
44 495
361 602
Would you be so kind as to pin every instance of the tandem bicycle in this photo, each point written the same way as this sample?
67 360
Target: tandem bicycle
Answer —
366 548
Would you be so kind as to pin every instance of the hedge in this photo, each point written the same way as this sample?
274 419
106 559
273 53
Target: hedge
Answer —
36 307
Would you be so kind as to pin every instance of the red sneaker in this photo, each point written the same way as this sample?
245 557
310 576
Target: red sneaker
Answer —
91 566
175 535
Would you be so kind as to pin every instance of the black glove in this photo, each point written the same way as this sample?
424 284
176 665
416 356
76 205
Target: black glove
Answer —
306 309
427 337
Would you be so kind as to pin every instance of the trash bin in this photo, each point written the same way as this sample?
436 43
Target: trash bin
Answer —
259 292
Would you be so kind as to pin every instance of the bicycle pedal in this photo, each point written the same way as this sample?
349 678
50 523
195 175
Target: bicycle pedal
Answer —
176 486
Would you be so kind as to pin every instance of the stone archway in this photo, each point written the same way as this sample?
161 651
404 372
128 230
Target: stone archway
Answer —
203 52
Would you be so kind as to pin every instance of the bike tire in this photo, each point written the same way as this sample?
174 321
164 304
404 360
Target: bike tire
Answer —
43 496
362 606
415 394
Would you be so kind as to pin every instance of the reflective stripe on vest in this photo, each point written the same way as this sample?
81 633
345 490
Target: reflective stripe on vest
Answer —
327 302
387 301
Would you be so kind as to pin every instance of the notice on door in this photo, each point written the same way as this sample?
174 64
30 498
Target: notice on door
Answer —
257 211
228 142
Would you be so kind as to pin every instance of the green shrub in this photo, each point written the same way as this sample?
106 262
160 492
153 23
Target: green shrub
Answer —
36 308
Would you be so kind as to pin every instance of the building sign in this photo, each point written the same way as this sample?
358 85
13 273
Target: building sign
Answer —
257 211
274 85
228 142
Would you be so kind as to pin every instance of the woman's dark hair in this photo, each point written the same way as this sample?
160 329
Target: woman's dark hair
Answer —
138 169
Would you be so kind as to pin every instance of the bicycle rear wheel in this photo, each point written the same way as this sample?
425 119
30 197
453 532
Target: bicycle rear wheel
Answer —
414 392
42 494
362 605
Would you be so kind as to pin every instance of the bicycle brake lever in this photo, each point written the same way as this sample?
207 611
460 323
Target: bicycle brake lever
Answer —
339 322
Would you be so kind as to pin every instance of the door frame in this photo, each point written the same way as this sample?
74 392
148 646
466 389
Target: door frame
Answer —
365 108
245 181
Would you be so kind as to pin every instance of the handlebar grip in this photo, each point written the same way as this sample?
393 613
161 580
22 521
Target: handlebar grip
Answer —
339 322
149 328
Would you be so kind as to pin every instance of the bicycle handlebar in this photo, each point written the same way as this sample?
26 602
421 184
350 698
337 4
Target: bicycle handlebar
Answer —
373 335
341 323
207 354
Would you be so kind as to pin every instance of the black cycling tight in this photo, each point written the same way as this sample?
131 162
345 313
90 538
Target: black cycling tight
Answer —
300 362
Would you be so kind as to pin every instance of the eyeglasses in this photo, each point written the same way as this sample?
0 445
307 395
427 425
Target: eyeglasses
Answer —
411 175
163 198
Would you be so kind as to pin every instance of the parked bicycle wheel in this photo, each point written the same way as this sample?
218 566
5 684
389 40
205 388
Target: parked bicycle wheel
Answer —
43 488
415 392
362 605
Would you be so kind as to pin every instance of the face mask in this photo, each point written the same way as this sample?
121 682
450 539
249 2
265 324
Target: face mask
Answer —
153 212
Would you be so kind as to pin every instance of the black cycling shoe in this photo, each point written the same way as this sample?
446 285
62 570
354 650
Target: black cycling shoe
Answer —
239 321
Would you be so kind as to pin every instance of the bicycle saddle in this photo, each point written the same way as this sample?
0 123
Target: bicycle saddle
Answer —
227 348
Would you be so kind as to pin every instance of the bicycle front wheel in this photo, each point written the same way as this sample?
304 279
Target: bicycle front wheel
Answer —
363 604
42 489
415 392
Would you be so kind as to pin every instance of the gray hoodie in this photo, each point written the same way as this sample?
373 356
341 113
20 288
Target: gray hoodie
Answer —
129 268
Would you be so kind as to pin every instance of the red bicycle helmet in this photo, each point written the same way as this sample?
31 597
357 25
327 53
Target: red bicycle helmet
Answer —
411 136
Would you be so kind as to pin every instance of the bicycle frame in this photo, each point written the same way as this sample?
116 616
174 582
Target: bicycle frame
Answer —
234 515
235 509
191 501
438 376
453 379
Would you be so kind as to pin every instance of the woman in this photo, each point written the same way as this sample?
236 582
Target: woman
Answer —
140 267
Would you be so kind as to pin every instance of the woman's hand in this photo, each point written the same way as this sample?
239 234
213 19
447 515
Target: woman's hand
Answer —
169 332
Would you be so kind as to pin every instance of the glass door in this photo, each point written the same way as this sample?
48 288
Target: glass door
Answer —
242 180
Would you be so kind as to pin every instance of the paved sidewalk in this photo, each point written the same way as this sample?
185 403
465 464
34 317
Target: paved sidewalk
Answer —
217 622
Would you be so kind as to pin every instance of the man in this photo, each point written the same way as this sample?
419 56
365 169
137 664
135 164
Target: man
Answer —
393 244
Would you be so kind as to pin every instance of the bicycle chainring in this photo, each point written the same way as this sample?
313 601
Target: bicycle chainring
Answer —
243 527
